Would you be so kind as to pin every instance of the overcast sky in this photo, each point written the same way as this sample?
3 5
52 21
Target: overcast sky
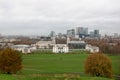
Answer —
39 17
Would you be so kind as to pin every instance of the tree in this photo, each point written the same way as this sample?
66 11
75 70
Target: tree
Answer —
10 61
98 64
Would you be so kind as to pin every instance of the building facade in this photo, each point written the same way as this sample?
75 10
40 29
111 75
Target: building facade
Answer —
24 48
92 49
82 32
74 44
71 33
52 34
96 33
60 48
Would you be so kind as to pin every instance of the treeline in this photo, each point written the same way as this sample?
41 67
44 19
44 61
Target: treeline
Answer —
109 46
25 41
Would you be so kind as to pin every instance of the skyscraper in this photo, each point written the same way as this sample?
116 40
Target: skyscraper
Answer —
96 33
81 31
71 33
91 34
52 34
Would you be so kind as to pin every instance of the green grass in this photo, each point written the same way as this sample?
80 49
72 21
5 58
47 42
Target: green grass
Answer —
54 63
115 64
48 77
60 63
38 64
7 77
58 77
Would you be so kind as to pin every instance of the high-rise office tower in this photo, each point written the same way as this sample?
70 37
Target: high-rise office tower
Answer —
96 33
71 33
81 31
52 34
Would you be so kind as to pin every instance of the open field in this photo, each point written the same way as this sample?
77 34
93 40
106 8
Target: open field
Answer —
45 77
60 63
57 66
54 63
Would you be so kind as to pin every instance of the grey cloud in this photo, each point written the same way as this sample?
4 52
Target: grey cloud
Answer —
42 16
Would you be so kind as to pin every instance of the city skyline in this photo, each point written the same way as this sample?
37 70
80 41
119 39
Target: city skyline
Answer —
39 17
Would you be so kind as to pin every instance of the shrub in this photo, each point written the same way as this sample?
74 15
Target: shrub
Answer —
10 61
98 64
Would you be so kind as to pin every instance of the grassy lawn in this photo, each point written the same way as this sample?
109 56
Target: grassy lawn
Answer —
7 77
49 77
54 63
115 64
57 65
60 63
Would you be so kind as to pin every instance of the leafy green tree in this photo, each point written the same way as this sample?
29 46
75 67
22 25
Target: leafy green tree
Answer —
10 61
98 64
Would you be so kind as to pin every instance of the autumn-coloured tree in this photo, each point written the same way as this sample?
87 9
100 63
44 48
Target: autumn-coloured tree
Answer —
10 61
98 64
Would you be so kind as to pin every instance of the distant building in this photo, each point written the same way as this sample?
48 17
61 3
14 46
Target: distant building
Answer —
60 45
44 44
4 44
52 34
73 44
82 32
71 33
60 48
92 49
91 34
116 35
94 34
45 38
61 36
23 48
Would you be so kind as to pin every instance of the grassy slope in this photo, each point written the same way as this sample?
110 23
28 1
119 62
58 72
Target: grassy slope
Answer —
60 63
6 77
58 78
55 63
115 64
37 77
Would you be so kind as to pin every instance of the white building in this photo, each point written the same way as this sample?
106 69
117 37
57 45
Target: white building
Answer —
45 44
76 44
60 48
92 49
23 48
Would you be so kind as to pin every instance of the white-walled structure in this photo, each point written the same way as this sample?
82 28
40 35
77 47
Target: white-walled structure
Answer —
45 44
92 49
23 48
60 48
